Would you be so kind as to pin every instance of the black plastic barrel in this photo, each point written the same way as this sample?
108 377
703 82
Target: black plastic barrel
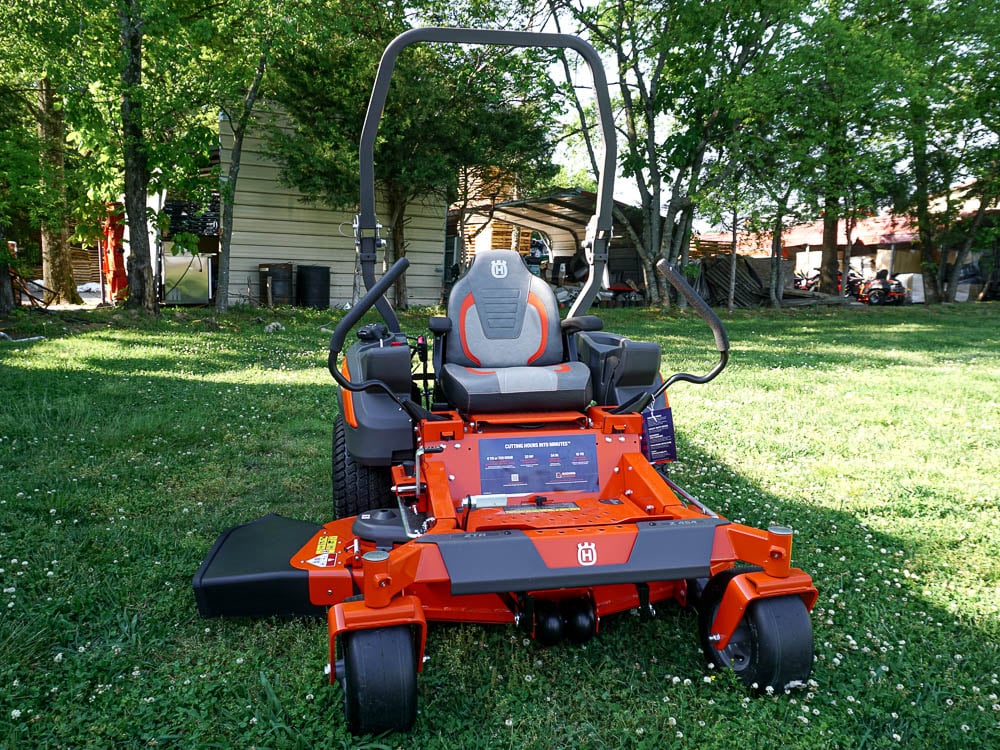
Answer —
312 287
275 283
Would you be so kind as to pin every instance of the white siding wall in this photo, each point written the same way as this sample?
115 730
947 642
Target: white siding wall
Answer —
272 225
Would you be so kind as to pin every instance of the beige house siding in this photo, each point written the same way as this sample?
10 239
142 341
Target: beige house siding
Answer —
271 224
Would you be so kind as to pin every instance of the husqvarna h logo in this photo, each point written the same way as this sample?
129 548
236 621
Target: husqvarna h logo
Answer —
586 553
499 269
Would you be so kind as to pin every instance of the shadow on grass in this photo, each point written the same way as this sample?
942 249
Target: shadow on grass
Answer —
119 492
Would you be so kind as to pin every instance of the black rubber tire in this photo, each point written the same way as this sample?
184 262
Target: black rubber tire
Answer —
772 645
357 488
876 297
380 680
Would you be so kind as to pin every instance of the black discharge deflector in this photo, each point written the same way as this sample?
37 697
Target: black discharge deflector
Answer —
247 573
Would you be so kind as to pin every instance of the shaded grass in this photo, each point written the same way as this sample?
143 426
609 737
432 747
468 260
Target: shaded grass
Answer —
127 445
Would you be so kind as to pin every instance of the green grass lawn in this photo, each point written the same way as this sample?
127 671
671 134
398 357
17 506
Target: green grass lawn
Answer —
127 446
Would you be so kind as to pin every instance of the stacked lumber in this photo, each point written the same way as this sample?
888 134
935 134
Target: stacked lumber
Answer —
753 287
86 265
750 291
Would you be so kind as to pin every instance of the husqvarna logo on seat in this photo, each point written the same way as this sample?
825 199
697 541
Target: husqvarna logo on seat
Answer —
586 553
499 269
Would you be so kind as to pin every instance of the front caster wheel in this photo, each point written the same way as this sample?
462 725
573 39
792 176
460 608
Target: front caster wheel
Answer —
772 645
379 680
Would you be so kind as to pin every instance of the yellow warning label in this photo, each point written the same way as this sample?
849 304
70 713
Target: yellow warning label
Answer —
326 544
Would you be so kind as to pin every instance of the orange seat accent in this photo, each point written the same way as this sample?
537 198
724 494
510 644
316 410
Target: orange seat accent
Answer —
468 302
536 303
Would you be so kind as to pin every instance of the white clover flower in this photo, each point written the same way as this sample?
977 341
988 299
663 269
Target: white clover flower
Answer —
15 714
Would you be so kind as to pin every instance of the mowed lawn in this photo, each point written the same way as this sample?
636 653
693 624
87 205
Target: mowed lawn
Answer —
128 445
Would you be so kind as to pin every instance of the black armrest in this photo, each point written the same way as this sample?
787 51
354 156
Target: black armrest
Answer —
439 324
582 323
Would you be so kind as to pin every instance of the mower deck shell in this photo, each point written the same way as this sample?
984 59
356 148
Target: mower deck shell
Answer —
625 539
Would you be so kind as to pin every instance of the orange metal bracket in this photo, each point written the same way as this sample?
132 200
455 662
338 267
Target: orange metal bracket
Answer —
356 615
744 589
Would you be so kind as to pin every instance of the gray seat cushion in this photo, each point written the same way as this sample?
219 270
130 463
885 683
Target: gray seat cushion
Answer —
560 387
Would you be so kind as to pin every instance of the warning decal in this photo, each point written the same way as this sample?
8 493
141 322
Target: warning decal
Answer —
326 544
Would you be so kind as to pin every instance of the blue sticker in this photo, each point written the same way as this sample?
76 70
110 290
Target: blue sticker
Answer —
538 464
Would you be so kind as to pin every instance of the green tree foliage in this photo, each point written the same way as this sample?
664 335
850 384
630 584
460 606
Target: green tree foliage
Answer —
947 118
32 69
125 112
449 110
799 108
676 65
790 108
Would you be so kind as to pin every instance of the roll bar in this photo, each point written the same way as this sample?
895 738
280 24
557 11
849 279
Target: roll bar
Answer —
598 235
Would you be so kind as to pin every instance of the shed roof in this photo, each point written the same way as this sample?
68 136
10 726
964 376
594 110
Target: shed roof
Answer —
563 211
872 232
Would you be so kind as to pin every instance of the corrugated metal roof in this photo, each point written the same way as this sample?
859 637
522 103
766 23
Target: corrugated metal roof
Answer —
567 210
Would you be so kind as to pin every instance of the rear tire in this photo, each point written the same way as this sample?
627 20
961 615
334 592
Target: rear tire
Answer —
876 297
773 643
357 488
380 680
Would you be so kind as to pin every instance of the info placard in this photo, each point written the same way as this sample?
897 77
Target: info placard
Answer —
538 464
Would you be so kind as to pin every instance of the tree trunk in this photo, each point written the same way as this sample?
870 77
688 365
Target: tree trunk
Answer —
6 287
963 251
919 115
142 289
731 301
227 196
229 189
828 257
775 281
6 290
397 242
845 272
57 266
684 239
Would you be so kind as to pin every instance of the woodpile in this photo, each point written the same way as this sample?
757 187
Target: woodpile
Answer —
750 290
753 283
86 265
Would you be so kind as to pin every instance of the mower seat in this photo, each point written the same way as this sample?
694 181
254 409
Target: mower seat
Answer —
505 351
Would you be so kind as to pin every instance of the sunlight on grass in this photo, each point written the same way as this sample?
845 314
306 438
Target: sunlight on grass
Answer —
127 446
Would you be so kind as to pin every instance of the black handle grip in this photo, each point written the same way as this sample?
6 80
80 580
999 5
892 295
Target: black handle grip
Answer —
363 305
707 314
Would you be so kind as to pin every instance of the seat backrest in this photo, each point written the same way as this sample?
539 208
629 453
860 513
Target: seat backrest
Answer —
502 315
